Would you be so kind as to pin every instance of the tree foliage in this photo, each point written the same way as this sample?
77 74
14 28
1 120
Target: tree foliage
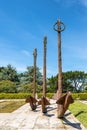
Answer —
74 81
7 86
28 88
52 84
27 76
8 73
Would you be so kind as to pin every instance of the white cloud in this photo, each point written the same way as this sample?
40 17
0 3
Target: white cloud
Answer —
25 52
84 2
21 69
71 2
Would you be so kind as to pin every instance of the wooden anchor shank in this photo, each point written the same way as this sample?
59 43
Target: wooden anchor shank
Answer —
43 100
32 99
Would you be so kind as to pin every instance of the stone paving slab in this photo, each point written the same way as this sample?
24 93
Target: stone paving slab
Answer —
83 101
2 100
26 119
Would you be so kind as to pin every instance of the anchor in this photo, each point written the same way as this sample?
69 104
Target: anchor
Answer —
63 102
44 101
32 102
32 99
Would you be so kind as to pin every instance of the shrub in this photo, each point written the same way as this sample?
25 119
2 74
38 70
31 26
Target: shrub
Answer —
29 88
14 95
81 96
7 86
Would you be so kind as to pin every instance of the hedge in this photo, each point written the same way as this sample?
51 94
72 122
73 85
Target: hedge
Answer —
14 95
81 96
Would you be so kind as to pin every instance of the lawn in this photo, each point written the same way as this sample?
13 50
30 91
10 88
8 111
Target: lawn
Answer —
10 106
79 110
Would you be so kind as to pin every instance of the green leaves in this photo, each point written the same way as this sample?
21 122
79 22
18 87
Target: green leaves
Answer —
8 73
7 86
75 81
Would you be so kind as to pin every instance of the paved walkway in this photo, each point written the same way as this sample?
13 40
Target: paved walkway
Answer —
25 119
83 101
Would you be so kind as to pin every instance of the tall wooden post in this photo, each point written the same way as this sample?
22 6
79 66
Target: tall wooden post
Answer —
32 99
58 23
44 68
43 100
34 78
59 62
60 107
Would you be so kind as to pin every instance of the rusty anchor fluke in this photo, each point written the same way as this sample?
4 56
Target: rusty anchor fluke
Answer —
44 101
65 101
32 102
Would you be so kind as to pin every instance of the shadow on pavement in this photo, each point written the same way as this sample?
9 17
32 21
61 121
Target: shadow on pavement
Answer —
49 115
75 125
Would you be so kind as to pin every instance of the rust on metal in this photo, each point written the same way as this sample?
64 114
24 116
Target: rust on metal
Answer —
44 68
32 102
43 100
65 101
34 78
59 29
32 99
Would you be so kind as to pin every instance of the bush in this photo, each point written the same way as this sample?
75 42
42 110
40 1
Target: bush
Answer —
7 86
29 88
14 95
81 96
49 95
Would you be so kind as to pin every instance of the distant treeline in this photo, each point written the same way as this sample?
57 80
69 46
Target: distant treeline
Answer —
13 82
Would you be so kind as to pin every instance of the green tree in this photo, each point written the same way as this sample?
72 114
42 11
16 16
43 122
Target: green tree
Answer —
52 84
28 88
65 83
76 79
8 73
27 76
84 88
7 86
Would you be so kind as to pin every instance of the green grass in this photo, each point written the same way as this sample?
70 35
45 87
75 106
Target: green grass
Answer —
10 106
79 110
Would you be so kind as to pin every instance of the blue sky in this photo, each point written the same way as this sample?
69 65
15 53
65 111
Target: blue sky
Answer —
24 23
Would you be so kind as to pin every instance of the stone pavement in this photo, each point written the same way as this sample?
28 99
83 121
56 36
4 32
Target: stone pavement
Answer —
25 119
83 101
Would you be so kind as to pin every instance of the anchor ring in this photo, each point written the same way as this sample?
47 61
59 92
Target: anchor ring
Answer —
54 27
